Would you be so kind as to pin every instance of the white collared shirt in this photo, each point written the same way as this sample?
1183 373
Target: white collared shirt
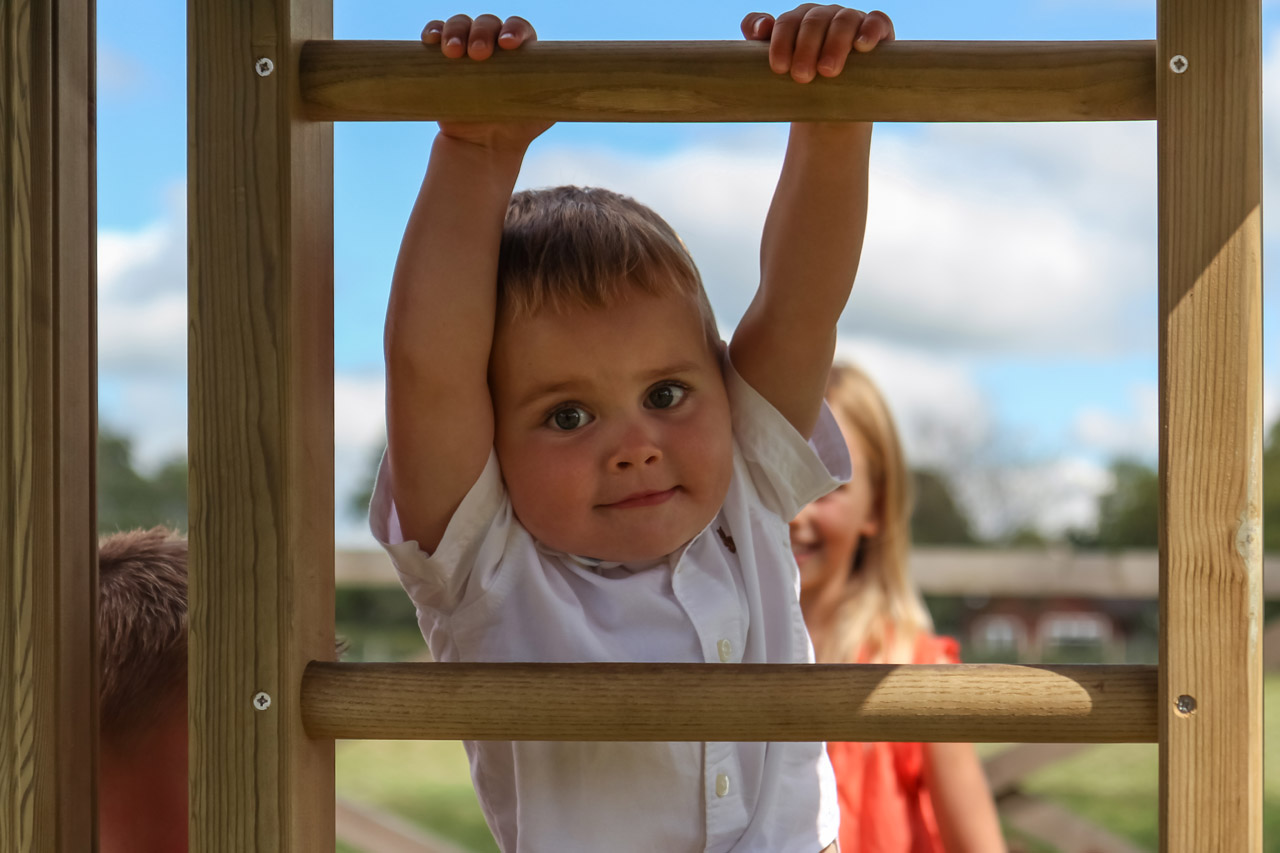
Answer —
491 593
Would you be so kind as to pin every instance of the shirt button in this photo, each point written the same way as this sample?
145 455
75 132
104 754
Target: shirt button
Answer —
722 785
726 654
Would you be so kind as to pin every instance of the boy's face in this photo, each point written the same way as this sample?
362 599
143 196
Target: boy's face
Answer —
612 426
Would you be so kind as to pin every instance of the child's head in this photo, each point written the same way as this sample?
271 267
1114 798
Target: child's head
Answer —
852 545
142 641
142 626
611 417
586 247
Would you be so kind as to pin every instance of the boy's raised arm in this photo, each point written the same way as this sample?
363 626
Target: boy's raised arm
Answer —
440 316
813 234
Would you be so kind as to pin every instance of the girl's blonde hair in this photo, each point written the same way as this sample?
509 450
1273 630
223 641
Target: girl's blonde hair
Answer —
570 247
882 613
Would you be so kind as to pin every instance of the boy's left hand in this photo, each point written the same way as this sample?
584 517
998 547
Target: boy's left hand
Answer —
813 39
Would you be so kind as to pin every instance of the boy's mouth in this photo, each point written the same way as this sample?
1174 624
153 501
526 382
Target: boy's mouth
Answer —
642 499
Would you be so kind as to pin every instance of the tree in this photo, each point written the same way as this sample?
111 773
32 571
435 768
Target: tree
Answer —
129 499
358 502
1129 513
1271 490
937 518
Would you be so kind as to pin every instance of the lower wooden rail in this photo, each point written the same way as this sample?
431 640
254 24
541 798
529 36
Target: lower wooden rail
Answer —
736 702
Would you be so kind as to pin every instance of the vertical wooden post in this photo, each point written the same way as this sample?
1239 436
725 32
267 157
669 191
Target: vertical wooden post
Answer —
1209 110
261 434
48 376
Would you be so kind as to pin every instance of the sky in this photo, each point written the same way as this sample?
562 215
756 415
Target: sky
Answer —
1006 300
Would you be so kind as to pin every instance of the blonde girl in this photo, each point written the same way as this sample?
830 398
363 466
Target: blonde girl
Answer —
861 606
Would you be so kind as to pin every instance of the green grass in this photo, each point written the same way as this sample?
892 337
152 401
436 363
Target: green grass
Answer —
1113 785
425 782
1117 785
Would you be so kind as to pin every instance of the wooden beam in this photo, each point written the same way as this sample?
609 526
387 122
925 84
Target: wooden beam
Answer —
260 184
743 702
1210 261
48 379
731 81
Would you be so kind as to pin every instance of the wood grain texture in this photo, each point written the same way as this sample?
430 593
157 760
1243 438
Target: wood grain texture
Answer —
731 81
740 702
48 378
1211 425
261 427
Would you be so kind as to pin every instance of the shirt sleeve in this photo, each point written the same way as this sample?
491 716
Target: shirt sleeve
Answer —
470 550
787 471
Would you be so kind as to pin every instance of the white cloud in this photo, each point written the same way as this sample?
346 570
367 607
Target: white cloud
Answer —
941 413
119 72
142 296
995 238
359 429
1052 496
1135 435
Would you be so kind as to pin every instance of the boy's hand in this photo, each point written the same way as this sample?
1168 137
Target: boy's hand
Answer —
813 39
461 37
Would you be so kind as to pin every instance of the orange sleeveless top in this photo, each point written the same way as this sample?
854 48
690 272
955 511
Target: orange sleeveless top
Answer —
884 805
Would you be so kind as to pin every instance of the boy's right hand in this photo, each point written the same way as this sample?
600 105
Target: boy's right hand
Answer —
461 37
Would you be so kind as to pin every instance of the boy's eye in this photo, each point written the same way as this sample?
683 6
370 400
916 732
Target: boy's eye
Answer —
569 418
667 395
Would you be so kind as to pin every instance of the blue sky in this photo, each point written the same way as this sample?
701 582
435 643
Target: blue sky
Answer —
1006 299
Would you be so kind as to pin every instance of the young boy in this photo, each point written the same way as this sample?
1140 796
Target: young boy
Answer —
142 652
578 471
142 639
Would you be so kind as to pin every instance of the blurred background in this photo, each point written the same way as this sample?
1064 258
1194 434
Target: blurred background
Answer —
1006 304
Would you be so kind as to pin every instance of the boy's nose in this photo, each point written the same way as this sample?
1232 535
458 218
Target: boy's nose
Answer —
636 448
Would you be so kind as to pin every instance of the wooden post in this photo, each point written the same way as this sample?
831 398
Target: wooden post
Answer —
261 434
48 376
1209 111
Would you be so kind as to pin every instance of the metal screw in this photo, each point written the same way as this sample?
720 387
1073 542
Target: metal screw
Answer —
264 66
1186 704
262 701
1178 64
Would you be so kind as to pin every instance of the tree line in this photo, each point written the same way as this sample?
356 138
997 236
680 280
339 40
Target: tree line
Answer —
1127 512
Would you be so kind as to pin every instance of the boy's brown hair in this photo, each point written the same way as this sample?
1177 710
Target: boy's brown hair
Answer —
568 247
142 627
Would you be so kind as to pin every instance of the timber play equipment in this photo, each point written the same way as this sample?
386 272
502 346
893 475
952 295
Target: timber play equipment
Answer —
266 81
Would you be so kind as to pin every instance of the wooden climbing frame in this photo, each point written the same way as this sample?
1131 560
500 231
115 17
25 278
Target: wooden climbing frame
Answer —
261 383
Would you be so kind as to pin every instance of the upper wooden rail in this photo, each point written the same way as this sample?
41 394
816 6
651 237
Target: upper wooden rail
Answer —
713 81
730 702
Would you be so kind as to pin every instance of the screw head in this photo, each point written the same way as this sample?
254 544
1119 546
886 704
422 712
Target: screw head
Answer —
1185 704
261 701
1179 64
264 66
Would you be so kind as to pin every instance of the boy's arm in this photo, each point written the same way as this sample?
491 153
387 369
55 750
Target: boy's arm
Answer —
440 315
813 234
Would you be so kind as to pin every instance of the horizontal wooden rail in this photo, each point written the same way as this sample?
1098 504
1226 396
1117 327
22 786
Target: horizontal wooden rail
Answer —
743 702
729 82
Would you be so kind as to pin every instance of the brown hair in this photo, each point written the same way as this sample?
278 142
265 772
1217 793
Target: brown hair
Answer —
882 612
568 247
142 626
